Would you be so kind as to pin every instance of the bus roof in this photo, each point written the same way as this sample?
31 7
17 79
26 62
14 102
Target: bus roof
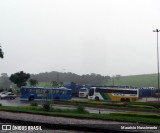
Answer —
111 88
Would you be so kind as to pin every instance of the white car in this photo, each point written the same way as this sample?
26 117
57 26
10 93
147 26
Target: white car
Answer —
4 92
8 95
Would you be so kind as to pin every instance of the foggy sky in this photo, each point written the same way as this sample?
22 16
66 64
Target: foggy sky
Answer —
106 37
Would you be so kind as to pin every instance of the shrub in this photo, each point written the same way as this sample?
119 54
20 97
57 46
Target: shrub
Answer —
81 109
34 104
47 106
0 104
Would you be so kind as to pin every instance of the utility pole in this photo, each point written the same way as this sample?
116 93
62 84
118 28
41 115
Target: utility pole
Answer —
113 80
58 77
157 59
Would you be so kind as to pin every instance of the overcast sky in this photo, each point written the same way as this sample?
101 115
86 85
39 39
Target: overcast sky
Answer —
106 37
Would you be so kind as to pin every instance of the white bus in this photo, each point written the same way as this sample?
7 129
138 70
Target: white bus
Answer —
113 94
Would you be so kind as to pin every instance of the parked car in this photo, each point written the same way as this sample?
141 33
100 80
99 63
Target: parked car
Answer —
8 95
3 92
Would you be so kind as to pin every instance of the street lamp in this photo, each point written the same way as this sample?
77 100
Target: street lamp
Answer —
157 58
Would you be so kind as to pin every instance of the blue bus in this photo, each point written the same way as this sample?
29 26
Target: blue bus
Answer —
41 93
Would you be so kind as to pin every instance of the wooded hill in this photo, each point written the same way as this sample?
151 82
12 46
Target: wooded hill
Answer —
95 79
45 79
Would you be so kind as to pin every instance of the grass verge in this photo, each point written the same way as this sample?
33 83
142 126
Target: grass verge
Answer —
78 113
135 106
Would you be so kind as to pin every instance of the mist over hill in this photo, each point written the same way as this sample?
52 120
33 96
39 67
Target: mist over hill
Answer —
95 79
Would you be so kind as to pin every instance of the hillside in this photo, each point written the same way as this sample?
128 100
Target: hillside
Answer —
95 79
146 80
44 79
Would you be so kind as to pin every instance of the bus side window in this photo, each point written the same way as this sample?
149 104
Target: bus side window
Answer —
60 92
44 91
26 91
38 91
50 91
68 92
32 90
64 92
134 92
54 92
57 91
97 90
47 91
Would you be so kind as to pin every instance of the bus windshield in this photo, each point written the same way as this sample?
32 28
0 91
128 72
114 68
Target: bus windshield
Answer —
83 90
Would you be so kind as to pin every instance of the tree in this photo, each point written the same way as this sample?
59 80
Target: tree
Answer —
72 83
33 82
60 84
4 75
5 82
20 78
54 84
1 53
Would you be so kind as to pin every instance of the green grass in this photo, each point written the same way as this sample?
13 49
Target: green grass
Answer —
128 117
146 80
135 106
39 109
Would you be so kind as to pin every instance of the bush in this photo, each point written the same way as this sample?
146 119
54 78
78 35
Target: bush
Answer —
80 109
47 106
34 104
0 104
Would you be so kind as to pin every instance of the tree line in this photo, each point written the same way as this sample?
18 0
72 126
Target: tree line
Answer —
56 79
95 79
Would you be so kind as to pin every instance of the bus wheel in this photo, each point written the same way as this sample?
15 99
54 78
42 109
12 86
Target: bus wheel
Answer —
97 98
122 99
127 100
31 98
